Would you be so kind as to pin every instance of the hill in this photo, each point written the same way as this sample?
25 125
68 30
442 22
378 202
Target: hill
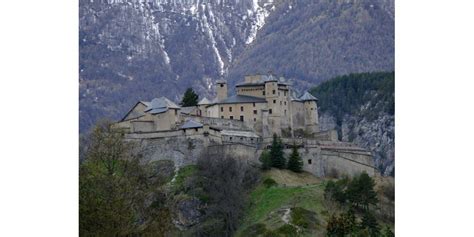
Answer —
291 203
362 107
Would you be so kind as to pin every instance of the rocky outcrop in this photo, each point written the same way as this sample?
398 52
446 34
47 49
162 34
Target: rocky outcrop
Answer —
189 212
377 136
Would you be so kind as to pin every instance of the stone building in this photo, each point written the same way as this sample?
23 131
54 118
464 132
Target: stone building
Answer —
265 103
243 124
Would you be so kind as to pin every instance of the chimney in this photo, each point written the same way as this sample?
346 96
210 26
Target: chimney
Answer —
221 90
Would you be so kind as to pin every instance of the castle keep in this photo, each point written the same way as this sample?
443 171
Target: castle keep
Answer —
243 125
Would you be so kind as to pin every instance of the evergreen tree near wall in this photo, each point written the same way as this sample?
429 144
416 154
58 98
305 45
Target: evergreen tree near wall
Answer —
295 163
266 160
276 153
190 98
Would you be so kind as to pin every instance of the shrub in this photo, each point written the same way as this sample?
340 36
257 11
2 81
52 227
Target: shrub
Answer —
303 218
255 230
269 182
287 230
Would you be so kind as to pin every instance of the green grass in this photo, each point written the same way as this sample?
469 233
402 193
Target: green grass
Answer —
264 201
183 174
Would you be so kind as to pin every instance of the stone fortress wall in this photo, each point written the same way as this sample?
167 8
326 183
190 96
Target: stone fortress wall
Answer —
183 147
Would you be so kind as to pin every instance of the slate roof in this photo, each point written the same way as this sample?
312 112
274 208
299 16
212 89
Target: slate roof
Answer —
237 99
191 124
307 97
160 105
204 101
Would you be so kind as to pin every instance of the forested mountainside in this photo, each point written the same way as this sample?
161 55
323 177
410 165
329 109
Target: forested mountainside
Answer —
134 50
361 107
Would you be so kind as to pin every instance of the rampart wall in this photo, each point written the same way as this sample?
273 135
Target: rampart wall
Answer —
321 158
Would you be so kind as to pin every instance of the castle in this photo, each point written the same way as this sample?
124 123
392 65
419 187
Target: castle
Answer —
243 125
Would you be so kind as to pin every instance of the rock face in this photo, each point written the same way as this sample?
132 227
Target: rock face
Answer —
134 50
188 212
377 136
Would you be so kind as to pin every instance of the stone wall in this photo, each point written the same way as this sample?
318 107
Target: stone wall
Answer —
220 123
321 158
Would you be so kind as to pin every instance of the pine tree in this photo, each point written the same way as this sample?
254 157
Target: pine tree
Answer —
276 153
190 98
370 222
295 163
361 191
266 160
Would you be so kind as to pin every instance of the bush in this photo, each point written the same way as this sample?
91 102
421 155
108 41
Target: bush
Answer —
255 230
303 218
269 182
287 230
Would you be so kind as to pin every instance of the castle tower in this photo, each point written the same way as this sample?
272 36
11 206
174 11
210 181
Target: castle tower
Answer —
221 90
311 120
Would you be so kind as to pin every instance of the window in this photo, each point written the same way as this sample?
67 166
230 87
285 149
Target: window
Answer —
253 104
175 112
241 118
241 108
230 138
285 111
273 91
255 112
222 85
255 119
270 111
263 92
285 93
230 109
280 102
222 109
285 102
196 129
222 117
309 161
274 101
231 117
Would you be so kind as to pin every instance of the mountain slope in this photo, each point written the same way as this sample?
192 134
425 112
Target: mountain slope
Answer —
312 41
362 107
140 49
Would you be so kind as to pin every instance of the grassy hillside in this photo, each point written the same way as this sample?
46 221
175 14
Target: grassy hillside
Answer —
295 202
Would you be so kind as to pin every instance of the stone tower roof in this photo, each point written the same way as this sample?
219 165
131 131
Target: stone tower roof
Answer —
307 97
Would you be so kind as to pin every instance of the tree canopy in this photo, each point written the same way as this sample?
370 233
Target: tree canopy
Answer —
190 98
276 153
295 163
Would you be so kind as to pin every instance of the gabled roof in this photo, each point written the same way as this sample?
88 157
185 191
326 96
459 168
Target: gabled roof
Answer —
204 101
236 99
191 124
162 102
160 105
136 115
307 97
